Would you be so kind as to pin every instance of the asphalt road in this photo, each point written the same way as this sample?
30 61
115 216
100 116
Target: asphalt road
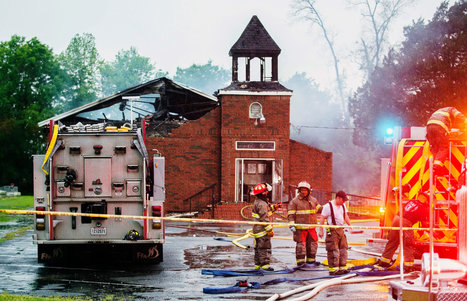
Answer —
178 277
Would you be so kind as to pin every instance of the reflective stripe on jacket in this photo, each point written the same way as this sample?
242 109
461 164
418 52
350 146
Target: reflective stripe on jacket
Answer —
447 118
260 214
303 211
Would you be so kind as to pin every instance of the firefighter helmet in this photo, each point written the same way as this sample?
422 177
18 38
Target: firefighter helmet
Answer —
261 188
304 184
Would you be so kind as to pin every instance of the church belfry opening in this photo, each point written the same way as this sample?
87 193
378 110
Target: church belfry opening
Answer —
255 42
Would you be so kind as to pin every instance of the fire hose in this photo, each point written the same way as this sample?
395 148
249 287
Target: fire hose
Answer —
319 286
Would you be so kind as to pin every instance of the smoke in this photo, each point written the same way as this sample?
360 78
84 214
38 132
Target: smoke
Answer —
317 120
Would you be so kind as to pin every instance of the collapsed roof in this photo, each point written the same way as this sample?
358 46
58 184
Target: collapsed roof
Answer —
160 100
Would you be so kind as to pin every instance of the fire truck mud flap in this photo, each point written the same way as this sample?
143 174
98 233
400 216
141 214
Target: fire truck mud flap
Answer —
66 254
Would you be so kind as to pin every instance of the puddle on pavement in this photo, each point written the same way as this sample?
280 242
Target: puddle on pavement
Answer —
215 257
12 223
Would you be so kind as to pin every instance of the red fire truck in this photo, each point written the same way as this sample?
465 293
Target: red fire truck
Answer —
408 170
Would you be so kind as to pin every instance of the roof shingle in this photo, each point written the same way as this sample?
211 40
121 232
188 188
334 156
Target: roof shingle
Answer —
255 41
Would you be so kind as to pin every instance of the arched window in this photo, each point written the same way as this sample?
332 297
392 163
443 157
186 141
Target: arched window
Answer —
256 110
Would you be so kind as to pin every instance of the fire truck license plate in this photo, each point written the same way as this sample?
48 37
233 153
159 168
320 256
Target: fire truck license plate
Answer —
98 231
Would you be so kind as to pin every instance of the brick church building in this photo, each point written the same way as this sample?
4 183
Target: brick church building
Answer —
217 147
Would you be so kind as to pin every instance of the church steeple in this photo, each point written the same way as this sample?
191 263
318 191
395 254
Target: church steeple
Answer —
254 42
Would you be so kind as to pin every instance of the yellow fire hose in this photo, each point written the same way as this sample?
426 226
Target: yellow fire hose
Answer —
51 147
249 233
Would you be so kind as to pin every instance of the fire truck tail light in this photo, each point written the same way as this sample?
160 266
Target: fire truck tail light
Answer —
156 225
40 219
156 211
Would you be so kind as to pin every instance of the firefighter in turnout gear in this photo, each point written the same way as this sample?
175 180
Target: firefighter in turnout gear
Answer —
414 211
303 209
438 130
262 234
335 213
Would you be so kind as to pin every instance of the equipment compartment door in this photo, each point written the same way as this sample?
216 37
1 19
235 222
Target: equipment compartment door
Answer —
97 177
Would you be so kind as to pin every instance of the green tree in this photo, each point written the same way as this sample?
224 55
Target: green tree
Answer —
207 78
81 62
428 72
30 80
127 70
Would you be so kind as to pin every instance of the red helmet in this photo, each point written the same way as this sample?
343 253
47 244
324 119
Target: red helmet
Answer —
261 188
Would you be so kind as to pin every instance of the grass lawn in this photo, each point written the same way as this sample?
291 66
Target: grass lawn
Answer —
9 297
21 202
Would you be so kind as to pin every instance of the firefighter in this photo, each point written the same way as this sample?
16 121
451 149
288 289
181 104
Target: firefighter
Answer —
335 213
438 130
414 211
303 210
262 210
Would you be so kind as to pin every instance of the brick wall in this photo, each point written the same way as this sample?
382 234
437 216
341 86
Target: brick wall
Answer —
202 152
310 164
192 155
233 211
236 125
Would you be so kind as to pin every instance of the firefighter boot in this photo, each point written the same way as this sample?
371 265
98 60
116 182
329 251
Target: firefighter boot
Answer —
382 265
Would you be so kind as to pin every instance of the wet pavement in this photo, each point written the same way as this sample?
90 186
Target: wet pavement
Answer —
178 277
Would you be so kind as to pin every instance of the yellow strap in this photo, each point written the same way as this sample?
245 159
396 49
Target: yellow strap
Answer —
290 212
51 146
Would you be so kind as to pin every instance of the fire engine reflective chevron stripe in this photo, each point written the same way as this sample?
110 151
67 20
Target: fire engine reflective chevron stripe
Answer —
49 150
413 163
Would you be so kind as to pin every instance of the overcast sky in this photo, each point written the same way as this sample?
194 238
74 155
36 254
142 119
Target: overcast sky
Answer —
178 33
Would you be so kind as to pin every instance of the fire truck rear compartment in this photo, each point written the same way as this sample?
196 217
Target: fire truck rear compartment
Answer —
97 174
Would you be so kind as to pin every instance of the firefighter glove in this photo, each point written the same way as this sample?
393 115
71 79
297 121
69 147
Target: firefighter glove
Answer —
271 233
275 207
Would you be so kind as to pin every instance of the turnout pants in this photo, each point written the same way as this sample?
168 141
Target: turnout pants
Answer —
336 247
393 243
307 245
262 252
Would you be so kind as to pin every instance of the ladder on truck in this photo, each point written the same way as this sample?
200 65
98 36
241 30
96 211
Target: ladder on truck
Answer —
410 171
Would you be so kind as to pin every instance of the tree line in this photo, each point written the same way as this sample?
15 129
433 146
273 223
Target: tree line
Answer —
36 84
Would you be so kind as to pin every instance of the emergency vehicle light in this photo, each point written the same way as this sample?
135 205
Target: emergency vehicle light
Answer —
388 136
40 218
97 149
156 211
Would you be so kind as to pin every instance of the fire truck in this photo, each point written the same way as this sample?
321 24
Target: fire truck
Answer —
407 172
103 173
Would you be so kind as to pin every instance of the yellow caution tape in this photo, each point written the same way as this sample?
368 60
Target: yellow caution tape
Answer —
57 213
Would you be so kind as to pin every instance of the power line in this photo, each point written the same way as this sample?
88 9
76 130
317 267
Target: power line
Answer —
298 127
